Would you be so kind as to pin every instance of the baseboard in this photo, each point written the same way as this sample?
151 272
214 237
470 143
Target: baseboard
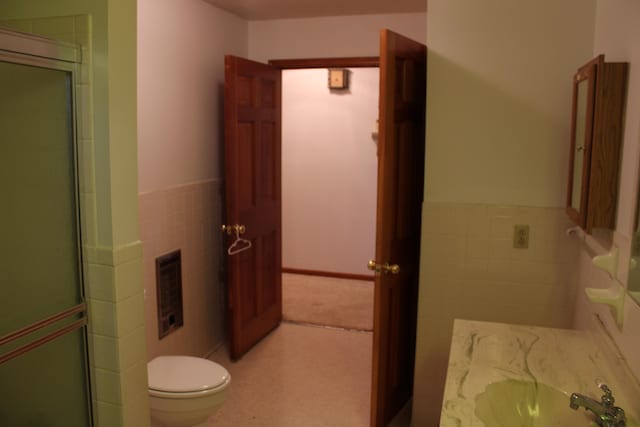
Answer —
215 348
329 274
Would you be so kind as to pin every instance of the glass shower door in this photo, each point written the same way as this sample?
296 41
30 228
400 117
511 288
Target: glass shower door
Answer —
43 357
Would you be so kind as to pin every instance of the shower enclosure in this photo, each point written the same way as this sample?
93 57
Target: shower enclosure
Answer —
44 376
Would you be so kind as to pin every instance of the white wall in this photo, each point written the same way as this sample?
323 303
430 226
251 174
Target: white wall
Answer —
498 114
617 36
329 171
180 89
339 36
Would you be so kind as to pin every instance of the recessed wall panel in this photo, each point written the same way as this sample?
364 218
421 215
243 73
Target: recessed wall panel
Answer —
270 274
268 93
268 177
248 303
404 199
246 150
244 91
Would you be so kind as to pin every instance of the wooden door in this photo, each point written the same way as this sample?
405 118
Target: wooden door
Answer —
253 200
400 188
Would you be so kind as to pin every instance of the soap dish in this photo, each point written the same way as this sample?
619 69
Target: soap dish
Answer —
613 297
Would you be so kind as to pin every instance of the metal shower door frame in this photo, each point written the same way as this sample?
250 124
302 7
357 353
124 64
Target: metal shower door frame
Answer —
31 50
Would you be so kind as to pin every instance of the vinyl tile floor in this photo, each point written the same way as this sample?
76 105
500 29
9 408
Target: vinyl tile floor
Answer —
299 376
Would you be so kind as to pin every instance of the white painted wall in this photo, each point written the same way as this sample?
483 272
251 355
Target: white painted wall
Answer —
498 115
338 36
329 171
181 48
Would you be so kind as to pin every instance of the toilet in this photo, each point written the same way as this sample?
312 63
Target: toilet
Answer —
185 391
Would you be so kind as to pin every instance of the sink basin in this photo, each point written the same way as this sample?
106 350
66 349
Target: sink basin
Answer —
516 403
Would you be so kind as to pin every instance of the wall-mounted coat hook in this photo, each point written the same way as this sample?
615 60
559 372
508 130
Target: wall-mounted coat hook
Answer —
230 229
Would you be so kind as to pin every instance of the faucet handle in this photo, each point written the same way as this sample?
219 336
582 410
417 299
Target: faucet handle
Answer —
607 397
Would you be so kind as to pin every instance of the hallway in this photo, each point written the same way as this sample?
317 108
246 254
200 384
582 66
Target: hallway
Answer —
328 301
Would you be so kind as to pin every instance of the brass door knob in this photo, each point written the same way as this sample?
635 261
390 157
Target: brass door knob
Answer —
383 268
391 268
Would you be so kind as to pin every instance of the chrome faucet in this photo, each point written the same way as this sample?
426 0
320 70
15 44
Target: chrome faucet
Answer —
607 414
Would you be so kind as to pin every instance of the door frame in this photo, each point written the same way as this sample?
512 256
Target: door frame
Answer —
342 62
351 62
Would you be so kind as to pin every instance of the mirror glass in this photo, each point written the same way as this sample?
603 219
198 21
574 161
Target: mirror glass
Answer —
578 156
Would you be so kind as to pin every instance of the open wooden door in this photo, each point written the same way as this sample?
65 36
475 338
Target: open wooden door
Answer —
253 200
400 189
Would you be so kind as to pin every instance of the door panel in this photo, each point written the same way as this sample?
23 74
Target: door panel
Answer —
253 199
267 155
400 189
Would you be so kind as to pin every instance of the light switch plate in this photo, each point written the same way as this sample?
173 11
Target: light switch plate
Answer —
521 237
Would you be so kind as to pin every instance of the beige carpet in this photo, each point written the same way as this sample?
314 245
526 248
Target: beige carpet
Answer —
299 376
328 301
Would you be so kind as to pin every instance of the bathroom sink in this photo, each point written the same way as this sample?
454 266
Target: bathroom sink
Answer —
517 403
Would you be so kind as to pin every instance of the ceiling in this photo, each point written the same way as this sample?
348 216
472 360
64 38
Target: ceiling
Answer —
254 10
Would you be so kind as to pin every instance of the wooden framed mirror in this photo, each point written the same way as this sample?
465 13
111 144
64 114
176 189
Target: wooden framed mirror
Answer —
580 154
599 89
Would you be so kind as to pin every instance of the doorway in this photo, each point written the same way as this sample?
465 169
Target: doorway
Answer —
253 165
322 365
329 171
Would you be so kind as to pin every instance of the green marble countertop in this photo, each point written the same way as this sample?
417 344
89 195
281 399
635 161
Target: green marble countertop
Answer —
568 361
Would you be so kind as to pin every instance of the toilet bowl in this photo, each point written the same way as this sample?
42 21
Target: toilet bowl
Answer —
185 391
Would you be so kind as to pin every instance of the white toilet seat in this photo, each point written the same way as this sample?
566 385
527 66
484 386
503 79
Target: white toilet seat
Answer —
185 377
185 395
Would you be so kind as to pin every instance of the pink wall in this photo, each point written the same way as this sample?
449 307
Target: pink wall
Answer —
181 48
329 171
185 217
